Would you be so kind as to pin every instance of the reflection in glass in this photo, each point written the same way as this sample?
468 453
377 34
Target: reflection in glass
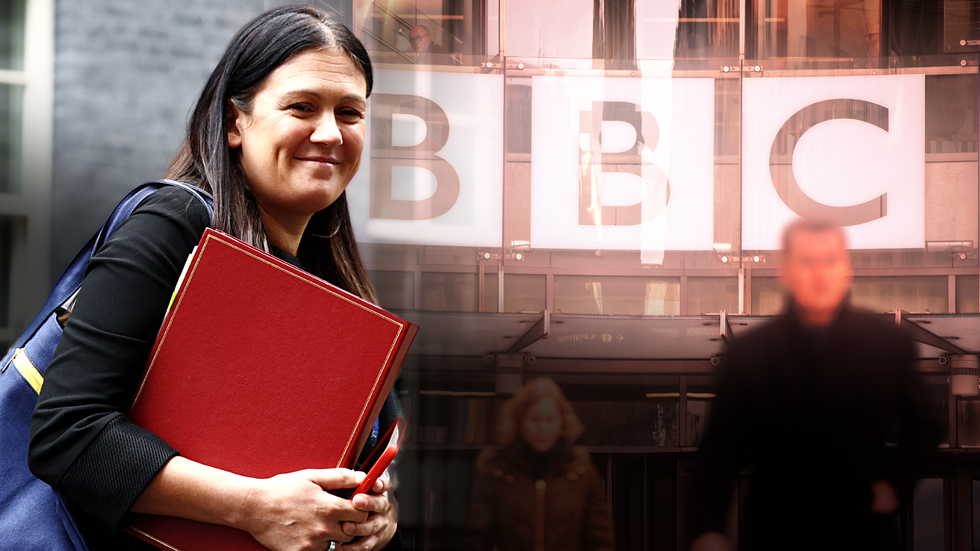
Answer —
700 397
846 32
412 32
707 30
396 290
967 294
928 521
449 292
652 422
635 296
936 389
549 29
910 293
712 294
698 413
11 113
968 422
522 292
768 296
951 114
976 514
457 419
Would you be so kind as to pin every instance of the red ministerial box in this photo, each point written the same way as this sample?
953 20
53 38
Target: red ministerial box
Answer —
259 369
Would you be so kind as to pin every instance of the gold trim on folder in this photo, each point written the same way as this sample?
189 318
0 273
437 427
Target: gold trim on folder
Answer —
158 540
27 370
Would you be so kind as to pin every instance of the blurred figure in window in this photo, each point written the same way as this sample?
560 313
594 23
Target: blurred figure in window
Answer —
538 492
429 53
824 407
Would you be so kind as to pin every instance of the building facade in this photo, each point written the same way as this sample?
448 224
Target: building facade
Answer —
589 190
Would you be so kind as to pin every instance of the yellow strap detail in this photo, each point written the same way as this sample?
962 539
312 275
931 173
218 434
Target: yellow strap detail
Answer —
27 370
187 264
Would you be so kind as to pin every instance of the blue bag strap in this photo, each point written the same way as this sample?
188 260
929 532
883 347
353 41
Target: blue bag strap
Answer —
71 279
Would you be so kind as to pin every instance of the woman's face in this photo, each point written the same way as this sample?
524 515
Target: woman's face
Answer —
541 426
301 143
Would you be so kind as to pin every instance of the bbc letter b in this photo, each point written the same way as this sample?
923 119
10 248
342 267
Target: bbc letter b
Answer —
385 156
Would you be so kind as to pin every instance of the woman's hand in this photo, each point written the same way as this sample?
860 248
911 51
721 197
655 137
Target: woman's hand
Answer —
288 512
382 519
293 512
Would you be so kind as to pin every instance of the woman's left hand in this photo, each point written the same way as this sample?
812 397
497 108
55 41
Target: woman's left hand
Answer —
382 519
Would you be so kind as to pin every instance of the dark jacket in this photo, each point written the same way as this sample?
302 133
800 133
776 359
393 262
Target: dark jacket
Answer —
515 510
818 416
82 443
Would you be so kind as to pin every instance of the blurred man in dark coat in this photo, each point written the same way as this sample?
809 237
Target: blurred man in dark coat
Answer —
824 408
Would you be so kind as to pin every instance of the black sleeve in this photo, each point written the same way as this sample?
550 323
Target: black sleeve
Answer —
919 426
81 441
721 453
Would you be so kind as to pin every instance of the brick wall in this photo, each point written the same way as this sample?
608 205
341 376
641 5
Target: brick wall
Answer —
126 76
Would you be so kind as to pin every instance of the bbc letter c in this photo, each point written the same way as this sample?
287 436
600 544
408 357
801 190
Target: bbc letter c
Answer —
789 189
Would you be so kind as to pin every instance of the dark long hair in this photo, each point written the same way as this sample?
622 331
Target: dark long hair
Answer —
327 248
512 415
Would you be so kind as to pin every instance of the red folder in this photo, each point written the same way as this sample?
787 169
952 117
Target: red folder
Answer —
261 368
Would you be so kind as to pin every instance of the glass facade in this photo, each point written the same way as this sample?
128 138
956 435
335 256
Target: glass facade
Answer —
640 146
928 512
613 160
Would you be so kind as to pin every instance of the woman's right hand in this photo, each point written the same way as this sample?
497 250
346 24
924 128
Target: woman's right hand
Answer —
293 511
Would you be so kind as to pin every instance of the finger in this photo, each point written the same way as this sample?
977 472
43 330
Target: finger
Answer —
372 503
382 484
330 479
364 544
375 523
352 515
359 528
337 510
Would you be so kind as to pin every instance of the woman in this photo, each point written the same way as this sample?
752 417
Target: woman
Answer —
538 492
275 137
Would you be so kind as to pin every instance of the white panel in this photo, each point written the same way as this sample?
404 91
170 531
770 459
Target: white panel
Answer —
681 150
473 105
839 162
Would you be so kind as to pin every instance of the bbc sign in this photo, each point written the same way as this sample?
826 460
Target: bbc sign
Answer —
628 163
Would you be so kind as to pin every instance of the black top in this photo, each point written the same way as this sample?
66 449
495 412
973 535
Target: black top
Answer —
818 416
81 441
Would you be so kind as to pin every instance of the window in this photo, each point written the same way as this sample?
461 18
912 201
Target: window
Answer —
928 515
396 290
913 294
768 296
450 292
712 294
633 296
26 89
423 32
522 292
967 294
